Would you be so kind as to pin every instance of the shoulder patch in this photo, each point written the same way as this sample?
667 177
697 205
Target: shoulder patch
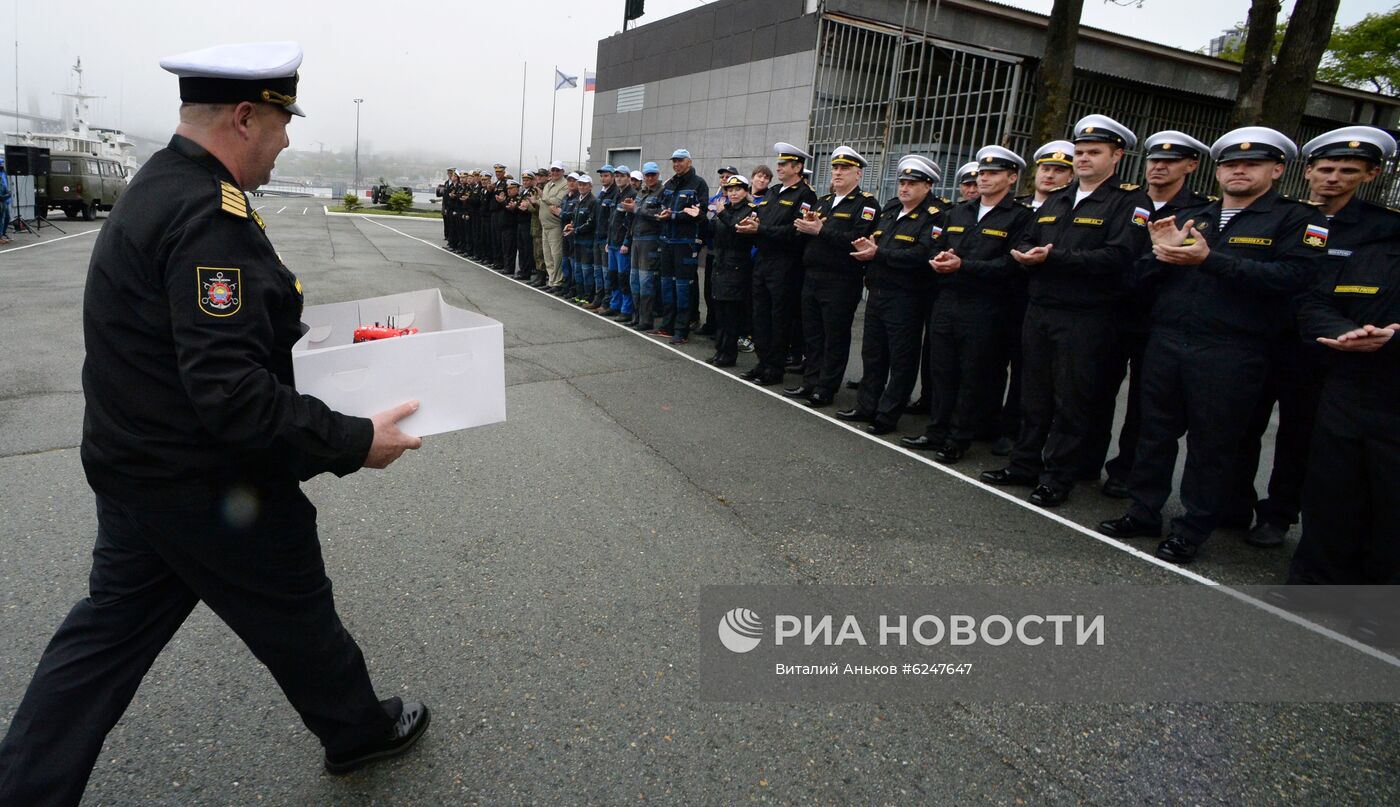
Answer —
219 290
867 194
232 200
1128 186
932 209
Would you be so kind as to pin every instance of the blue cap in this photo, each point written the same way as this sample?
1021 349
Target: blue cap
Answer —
606 169
621 169
650 168
680 154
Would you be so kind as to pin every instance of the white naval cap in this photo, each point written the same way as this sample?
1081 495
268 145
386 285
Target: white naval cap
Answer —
1103 129
845 155
1253 143
1174 145
573 175
1056 152
637 175
996 158
248 71
736 180
513 181
585 179
1364 142
787 151
968 173
914 167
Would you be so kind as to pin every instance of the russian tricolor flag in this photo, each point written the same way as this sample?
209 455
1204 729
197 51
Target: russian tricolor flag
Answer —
590 81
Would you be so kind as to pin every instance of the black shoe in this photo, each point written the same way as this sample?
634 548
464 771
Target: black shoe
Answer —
921 406
854 416
768 379
708 329
817 400
852 385
921 443
1006 476
1002 447
800 391
1266 535
1129 527
753 373
793 368
1046 496
412 722
721 361
644 327
1115 489
879 428
951 452
1177 550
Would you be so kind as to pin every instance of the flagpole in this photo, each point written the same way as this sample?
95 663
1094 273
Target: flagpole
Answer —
552 110
582 102
524 71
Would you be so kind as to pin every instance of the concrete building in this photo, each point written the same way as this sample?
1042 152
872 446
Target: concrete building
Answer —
890 77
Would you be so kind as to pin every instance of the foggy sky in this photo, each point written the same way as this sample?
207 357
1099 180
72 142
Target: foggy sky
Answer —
441 77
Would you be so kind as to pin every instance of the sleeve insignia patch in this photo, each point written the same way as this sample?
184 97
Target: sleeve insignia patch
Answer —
220 292
867 213
1315 236
1140 216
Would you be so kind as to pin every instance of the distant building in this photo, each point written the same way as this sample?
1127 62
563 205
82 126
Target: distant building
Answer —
889 77
1228 40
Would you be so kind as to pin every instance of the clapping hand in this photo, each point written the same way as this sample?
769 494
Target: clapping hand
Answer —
1366 339
946 262
864 248
1032 257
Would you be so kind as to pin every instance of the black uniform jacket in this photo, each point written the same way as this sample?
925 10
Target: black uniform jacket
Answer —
776 237
1095 243
1267 254
607 205
645 224
906 245
988 273
585 220
733 250
1359 286
621 221
829 251
679 192
189 318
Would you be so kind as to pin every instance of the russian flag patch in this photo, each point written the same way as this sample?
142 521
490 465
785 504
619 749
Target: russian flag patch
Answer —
1315 236
1140 216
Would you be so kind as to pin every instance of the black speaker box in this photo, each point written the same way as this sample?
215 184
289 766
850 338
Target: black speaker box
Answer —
26 161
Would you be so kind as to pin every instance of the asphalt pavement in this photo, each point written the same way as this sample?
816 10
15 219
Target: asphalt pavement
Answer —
536 582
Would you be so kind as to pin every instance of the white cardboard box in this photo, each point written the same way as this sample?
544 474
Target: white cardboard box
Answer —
454 366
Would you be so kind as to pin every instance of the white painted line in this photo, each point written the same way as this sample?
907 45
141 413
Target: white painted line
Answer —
50 241
1194 577
330 212
259 208
304 209
280 210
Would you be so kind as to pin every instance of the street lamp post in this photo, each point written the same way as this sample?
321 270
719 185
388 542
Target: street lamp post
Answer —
358 101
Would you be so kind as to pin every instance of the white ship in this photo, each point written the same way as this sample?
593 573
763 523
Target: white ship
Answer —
81 137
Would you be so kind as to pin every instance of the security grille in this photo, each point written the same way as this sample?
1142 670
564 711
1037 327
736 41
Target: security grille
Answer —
888 90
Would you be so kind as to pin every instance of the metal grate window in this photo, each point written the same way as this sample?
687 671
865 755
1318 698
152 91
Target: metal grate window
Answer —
630 99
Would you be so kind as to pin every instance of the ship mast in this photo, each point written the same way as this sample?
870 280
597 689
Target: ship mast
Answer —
80 107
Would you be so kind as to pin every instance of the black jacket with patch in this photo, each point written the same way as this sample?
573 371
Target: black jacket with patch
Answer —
189 318
905 246
988 272
1094 245
829 251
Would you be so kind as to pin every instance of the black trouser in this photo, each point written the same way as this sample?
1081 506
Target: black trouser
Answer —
482 227
1294 382
507 252
525 249
1351 499
1126 361
708 290
1009 371
889 351
727 328
829 302
150 568
796 334
772 316
1064 354
447 216
966 335
1197 387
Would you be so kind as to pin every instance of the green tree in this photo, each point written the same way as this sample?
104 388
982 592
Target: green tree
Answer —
1256 52
352 201
1366 55
399 201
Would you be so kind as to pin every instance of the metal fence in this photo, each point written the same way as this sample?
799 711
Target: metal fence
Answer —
888 90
